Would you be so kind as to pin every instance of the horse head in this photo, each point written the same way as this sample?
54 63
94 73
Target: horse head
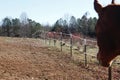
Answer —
108 32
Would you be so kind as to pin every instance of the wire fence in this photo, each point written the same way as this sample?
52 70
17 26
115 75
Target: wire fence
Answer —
82 50
74 44
85 49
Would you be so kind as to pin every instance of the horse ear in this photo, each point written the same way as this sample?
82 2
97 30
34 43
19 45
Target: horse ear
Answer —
113 2
97 6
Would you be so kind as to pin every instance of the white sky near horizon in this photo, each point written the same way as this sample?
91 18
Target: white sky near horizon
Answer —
48 11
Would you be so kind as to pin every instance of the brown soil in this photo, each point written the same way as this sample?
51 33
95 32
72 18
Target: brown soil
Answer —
28 59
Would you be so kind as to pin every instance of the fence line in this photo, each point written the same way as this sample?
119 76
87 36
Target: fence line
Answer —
61 37
65 39
68 39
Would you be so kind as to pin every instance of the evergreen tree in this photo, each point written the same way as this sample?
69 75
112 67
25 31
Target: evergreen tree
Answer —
6 26
15 26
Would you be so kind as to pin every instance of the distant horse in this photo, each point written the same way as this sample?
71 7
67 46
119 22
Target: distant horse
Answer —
50 35
108 32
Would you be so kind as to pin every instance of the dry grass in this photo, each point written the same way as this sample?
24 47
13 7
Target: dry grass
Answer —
30 59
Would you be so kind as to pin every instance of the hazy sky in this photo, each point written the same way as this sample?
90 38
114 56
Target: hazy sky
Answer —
48 11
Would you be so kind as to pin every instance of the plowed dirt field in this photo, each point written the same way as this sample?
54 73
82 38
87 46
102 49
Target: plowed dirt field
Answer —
29 59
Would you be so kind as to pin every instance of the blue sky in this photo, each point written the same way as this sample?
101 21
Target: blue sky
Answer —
48 11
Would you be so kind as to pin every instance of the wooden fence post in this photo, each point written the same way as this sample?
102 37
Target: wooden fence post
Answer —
71 45
54 39
61 40
45 37
49 40
85 46
110 72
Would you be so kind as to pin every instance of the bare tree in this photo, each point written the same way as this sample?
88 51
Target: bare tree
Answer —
24 28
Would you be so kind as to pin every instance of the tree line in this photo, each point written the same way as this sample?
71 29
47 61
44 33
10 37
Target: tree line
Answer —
18 28
26 27
83 25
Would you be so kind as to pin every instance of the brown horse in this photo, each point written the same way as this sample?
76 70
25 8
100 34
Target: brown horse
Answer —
108 32
50 35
